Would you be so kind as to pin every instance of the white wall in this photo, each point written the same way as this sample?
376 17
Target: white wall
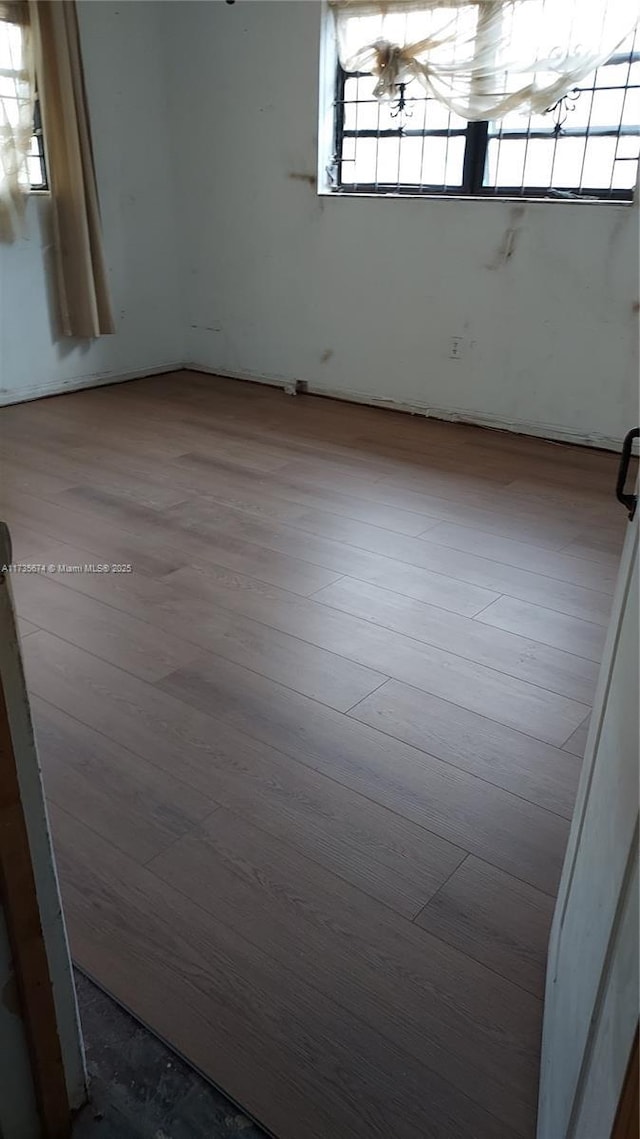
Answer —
362 296
222 255
127 94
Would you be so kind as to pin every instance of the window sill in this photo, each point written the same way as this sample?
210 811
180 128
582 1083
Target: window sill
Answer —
325 192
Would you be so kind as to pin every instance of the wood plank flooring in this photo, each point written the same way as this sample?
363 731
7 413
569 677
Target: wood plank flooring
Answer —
311 763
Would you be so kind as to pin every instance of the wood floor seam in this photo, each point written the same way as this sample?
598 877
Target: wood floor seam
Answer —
474 617
381 685
492 969
62 498
199 828
529 735
174 543
415 917
563 745
325 509
430 537
317 755
452 652
473 775
494 866
192 902
457 767
480 611
487 669
437 759
167 849
295 759
200 649
310 982
110 739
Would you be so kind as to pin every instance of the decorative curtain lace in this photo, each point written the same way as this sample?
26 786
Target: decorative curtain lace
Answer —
481 58
17 90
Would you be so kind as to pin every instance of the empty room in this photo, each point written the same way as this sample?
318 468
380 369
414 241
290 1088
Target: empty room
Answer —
319 597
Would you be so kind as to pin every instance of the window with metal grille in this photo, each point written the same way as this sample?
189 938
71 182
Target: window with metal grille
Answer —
586 146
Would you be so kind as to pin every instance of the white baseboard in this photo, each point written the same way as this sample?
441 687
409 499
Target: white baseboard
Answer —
76 383
274 381
549 431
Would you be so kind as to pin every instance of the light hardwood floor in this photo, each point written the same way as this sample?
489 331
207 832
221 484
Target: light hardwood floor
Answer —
311 765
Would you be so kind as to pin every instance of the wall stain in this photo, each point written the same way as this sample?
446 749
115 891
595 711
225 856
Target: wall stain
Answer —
618 234
300 177
508 244
326 355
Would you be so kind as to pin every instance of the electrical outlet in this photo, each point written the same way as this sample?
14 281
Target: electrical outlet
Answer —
455 348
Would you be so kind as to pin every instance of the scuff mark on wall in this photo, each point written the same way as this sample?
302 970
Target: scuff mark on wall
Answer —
505 250
616 239
507 246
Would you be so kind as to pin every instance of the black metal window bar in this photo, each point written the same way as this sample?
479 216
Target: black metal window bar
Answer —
36 158
586 146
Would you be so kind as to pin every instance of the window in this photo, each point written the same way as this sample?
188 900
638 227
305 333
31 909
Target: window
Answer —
36 158
13 80
586 146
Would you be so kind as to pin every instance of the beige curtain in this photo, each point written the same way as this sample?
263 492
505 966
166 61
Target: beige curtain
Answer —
16 113
83 293
481 58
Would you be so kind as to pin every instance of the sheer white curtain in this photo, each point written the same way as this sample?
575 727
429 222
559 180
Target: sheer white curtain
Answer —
17 90
481 58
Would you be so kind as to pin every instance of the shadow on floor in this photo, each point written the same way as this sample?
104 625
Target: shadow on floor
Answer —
140 1089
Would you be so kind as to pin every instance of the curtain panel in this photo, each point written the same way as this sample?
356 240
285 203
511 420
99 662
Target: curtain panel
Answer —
83 292
481 58
42 46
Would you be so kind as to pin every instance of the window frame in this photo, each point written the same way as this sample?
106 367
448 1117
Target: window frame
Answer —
38 134
477 137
